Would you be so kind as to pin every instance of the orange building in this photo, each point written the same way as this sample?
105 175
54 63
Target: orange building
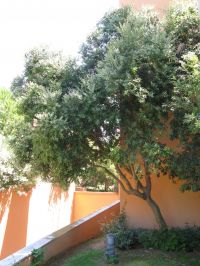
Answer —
160 5
178 208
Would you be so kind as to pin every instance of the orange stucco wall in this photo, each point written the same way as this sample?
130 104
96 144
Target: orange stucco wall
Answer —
67 237
160 5
28 217
86 202
178 208
13 225
25 218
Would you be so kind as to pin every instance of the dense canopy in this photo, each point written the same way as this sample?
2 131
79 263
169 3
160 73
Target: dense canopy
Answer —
134 90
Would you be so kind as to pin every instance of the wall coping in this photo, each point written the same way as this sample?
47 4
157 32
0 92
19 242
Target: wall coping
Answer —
24 254
96 192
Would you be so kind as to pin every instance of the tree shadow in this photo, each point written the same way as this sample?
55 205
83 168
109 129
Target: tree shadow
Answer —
5 199
56 194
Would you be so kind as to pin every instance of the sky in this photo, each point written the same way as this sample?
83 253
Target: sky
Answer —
60 24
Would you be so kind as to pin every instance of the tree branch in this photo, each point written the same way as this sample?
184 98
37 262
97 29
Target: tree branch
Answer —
139 183
147 178
132 190
114 176
124 177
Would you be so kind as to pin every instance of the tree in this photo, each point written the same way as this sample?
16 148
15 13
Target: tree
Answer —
110 111
10 175
100 181
185 102
8 111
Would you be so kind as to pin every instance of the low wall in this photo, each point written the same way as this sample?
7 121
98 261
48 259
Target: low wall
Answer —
86 202
67 237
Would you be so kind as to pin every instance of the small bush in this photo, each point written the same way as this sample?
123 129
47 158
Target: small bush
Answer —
124 238
172 239
37 257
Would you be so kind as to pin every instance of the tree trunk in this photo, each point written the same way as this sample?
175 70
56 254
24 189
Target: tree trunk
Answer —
157 213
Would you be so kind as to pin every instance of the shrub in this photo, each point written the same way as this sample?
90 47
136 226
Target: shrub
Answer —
169 239
172 239
37 257
124 238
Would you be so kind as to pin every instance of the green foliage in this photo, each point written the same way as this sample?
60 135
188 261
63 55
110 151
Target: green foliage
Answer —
173 239
124 237
42 67
56 107
100 181
37 257
11 176
183 27
135 86
168 239
94 49
8 112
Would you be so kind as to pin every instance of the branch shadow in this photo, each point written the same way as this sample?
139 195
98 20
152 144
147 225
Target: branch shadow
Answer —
5 199
56 194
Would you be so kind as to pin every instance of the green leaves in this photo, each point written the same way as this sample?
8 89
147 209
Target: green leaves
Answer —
95 48
136 83
8 112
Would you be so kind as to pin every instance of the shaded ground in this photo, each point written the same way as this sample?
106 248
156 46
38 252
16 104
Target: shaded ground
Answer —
94 244
92 254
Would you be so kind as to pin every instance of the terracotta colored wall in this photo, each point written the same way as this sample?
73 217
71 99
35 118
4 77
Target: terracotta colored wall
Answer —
67 237
178 208
26 218
160 5
14 225
86 202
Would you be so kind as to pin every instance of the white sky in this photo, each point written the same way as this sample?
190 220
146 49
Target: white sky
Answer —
60 24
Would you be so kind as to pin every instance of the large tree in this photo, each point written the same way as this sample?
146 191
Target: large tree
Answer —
110 111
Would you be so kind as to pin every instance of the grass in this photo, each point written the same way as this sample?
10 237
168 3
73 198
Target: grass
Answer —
87 258
92 252
135 257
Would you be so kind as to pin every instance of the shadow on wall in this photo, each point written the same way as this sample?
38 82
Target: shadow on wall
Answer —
56 194
5 198
14 226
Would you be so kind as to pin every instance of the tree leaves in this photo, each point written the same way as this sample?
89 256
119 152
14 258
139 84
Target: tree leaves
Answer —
112 107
